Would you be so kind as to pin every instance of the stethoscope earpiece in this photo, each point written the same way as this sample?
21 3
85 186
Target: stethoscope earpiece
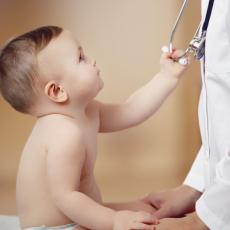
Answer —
165 49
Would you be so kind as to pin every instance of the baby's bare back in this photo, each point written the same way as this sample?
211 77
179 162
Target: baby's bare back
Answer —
36 205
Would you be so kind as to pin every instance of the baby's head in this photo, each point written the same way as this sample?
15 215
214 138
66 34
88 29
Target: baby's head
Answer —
45 69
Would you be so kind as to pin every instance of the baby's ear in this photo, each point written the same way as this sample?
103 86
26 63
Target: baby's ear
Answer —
56 92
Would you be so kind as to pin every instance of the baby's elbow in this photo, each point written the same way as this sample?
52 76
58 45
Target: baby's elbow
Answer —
137 120
60 198
65 199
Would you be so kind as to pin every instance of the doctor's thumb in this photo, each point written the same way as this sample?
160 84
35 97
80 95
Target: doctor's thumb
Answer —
163 212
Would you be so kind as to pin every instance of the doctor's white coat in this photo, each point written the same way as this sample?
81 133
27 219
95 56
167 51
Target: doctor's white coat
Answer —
210 172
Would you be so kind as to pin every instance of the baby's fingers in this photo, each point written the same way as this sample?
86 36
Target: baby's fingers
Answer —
177 54
141 226
144 217
165 52
181 56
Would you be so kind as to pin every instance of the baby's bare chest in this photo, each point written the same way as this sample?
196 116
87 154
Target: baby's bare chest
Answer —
88 184
90 134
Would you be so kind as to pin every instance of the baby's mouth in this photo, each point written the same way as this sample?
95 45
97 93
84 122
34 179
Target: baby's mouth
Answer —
98 71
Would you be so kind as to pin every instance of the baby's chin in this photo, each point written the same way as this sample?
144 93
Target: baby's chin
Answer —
101 83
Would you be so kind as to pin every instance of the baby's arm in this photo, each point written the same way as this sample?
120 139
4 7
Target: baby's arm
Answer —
145 101
135 205
65 160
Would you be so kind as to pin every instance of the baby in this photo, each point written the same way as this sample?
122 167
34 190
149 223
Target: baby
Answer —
45 73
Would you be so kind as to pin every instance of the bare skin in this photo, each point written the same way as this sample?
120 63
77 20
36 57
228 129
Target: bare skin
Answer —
190 222
176 203
37 213
58 160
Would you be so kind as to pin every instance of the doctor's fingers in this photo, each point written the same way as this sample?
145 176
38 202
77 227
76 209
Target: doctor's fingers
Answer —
155 199
164 212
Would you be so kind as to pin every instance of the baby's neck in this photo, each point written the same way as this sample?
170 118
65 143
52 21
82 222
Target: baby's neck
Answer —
79 117
74 112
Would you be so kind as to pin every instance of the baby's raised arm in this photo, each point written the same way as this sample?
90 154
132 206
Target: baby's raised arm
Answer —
65 160
145 101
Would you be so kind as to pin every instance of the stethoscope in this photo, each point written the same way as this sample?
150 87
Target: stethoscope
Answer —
196 46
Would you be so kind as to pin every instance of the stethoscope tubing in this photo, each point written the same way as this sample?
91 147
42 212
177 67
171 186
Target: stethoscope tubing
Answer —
176 25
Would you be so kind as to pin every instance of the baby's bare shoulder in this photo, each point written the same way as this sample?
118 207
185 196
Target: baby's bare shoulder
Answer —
57 128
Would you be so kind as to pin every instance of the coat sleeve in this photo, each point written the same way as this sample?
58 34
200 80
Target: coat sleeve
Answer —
195 177
213 206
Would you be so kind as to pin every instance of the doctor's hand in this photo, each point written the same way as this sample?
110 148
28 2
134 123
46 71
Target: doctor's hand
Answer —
172 68
190 222
173 202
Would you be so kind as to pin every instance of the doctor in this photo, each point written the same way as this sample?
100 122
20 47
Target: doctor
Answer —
206 190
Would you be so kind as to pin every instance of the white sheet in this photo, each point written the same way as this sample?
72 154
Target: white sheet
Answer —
9 223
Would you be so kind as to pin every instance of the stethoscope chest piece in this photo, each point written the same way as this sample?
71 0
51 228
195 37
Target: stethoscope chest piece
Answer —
197 46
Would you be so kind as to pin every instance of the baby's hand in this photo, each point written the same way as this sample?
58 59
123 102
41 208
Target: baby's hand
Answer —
129 220
172 68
